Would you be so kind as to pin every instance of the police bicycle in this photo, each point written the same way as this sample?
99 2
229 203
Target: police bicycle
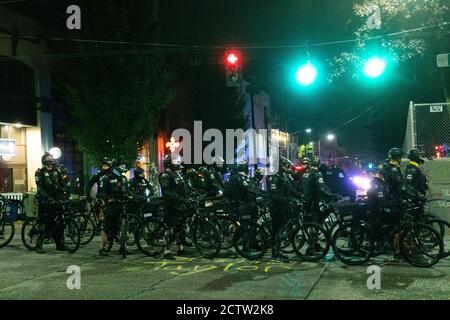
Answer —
252 238
440 225
309 240
362 235
88 226
129 221
7 228
225 217
156 233
62 220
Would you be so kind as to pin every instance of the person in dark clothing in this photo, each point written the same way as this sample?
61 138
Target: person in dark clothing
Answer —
416 184
139 185
282 193
213 186
314 190
174 195
386 193
50 190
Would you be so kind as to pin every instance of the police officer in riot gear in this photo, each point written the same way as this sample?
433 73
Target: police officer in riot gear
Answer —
240 191
195 181
110 189
212 186
107 164
139 185
49 190
416 184
389 174
386 192
314 190
174 191
281 191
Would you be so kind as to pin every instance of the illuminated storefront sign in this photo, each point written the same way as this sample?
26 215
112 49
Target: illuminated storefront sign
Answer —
7 147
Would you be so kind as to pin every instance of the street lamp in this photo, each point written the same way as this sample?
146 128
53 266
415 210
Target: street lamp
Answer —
331 137
55 152
308 130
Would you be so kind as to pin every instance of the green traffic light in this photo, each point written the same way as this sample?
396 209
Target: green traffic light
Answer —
306 74
375 67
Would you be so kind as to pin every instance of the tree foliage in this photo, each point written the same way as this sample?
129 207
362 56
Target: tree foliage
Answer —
408 28
115 95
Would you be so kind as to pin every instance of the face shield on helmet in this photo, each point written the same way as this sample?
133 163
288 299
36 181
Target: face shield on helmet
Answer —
47 160
414 155
315 162
107 164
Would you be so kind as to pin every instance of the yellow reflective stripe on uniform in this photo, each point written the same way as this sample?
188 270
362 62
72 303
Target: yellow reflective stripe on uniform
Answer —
415 164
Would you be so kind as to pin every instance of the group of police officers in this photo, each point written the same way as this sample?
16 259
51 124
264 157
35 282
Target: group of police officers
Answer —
178 185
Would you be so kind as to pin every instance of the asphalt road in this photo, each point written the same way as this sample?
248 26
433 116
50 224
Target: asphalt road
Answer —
27 275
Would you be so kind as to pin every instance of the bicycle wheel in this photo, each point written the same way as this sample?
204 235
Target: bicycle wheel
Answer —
310 242
227 228
87 228
283 239
72 236
123 237
432 220
443 225
251 241
29 234
352 245
7 231
421 245
150 237
206 238
133 223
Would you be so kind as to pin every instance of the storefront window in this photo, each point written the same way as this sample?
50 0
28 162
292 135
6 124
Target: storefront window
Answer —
13 170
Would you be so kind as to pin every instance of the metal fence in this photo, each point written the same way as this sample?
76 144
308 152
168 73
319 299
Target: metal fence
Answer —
428 127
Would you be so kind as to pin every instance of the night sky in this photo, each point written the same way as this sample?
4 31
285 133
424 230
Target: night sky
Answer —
287 22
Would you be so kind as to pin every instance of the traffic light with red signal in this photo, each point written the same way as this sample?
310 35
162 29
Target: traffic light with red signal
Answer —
233 63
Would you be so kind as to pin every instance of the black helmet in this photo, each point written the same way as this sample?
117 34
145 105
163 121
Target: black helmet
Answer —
285 164
305 161
167 161
108 161
315 162
172 163
47 159
414 155
204 171
191 172
138 171
258 174
395 154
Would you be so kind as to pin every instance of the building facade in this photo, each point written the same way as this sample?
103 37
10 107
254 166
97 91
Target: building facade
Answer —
25 95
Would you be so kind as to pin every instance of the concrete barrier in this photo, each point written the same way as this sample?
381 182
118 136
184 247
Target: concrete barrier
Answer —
438 174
